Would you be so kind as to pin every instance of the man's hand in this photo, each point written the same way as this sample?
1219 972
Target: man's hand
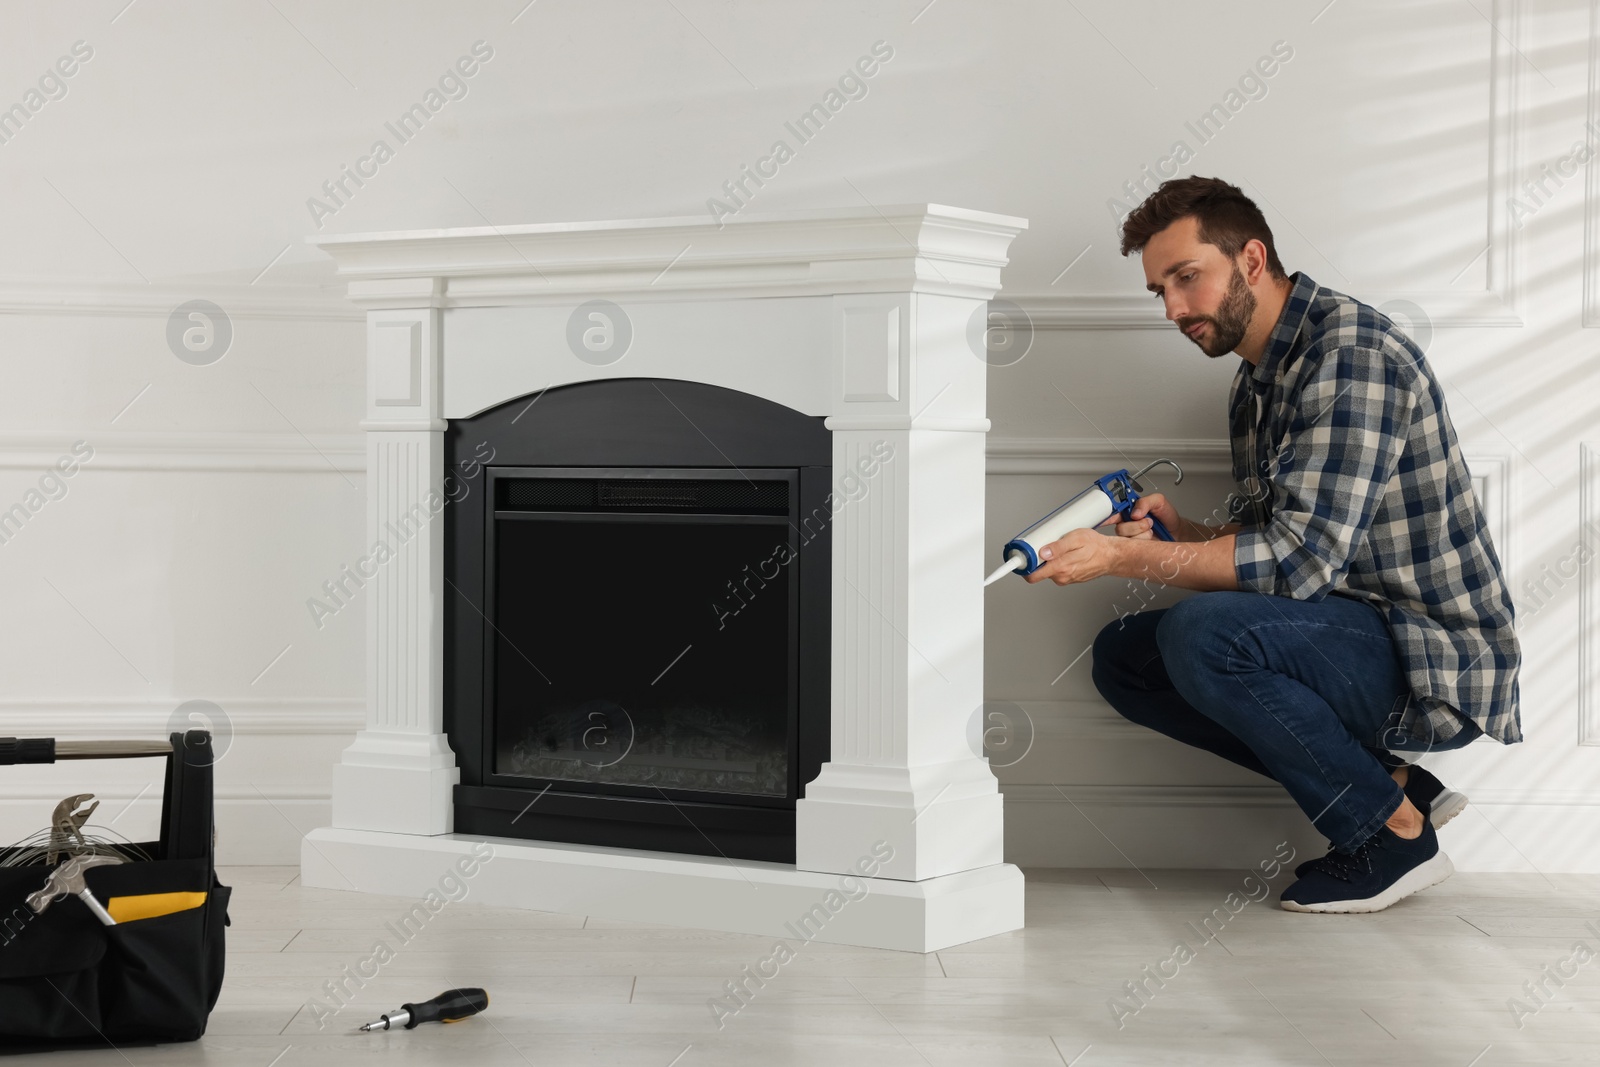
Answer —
1077 557
1151 504
1202 564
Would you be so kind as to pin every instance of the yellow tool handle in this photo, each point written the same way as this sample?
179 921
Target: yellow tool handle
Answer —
152 905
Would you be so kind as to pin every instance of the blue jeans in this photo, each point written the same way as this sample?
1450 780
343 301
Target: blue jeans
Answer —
1306 693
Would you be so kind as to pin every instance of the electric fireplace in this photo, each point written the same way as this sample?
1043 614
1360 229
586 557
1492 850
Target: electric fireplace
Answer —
637 645
636 640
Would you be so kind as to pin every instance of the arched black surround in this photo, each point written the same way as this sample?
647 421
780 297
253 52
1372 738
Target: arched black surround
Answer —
631 423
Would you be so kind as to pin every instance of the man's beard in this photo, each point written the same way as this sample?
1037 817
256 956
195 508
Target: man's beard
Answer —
1232 319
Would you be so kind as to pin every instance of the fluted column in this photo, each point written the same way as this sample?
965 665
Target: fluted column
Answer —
399 773
908 555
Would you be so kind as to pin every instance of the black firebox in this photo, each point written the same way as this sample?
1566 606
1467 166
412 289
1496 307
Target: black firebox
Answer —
636 613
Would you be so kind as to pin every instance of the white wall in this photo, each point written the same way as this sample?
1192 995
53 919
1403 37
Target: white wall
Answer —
179 163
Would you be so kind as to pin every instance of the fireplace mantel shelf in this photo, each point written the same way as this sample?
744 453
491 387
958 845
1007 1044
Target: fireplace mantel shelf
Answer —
923 248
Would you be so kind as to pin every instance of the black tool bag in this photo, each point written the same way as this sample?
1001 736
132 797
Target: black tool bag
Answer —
64 977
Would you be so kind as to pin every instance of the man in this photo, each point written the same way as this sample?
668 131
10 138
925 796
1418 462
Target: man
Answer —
1352 606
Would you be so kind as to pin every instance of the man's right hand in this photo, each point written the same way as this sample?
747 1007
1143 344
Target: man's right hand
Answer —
1152 504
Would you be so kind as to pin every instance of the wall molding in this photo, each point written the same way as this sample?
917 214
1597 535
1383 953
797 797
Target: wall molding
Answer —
212 450
1097 455
221 450
1148 796
89 718
1494 487
1497 305
1588 599
1089 720
80 297
1445 308
1074 720
1591 182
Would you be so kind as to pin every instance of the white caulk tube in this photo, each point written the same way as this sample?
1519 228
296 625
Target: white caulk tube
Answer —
1088 509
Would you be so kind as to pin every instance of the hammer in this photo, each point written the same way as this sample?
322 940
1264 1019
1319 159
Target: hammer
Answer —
67 879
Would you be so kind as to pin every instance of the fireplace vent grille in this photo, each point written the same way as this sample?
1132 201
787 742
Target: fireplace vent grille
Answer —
706 495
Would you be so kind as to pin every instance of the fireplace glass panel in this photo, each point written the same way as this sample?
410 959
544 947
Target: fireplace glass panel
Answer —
623 657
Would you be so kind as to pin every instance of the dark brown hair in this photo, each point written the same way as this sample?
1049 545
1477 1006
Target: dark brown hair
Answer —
1228 218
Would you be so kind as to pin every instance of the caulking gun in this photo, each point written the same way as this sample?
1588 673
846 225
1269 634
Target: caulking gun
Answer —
1112 494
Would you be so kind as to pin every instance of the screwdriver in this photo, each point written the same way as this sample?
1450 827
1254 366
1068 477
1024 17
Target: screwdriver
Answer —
448 1007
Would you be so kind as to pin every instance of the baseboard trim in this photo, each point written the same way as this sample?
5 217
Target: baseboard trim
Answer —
121 794
1234 827
254 826
1269 795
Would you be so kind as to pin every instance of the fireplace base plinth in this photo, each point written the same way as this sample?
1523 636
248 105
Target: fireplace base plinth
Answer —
940 819
744 896
397 782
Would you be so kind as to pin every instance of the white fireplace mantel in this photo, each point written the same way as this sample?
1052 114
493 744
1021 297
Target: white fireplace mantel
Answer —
873 318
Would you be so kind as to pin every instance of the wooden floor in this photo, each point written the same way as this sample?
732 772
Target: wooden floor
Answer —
1426 982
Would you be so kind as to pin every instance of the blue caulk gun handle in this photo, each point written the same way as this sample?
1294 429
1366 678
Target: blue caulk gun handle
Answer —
1157 527
1113 494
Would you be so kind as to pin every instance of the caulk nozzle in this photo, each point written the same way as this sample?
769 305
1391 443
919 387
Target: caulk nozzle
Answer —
1014 562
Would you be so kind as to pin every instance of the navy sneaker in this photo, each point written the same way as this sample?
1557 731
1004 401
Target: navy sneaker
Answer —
1385 869
1428 795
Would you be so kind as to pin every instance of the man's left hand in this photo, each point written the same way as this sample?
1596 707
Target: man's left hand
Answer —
1077 557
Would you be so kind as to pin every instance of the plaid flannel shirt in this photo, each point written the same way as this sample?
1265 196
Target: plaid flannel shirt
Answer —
1353 484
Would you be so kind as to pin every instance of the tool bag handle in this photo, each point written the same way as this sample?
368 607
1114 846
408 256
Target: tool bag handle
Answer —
15 750
186 805
186 808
